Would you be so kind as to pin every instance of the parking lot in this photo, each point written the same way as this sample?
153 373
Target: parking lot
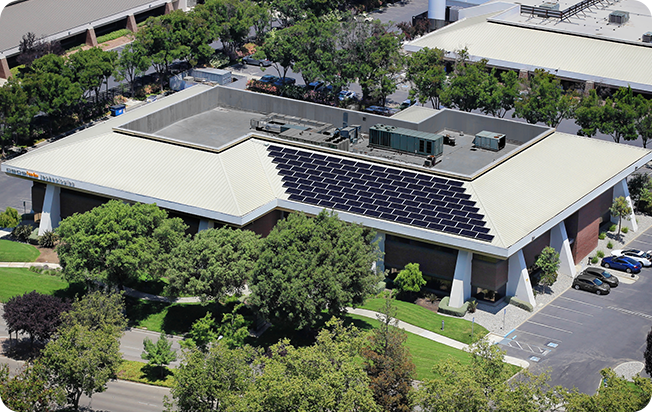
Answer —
580 333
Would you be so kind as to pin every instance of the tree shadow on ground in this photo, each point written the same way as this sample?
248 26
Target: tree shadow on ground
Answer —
73 291
155 373
20 349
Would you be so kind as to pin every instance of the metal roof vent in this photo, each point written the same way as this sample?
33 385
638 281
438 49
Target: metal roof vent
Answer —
619 17
647 37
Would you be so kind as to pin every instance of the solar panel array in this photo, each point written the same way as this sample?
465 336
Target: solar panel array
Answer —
395 195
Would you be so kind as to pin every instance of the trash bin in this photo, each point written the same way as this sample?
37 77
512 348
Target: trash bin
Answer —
117 109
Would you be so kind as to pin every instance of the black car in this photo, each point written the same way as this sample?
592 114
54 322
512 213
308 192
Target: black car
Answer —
591 283
256 62
268 78
603 275
284 81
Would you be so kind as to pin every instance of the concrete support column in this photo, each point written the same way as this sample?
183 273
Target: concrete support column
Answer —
559 242
461 289
379 265
518 279
588 86
169 8
181 5
621 190
437 14
51 214
91 40
5 73
523 74
131 24
205 224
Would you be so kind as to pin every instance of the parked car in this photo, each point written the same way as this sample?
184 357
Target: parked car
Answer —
603 275
268 78
347 94
623 263
591 283
638 255
256 62
407 103
316 85
381 110
284 81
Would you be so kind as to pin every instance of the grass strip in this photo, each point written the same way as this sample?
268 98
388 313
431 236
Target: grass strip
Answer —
17 252
17 281
454 328
135 371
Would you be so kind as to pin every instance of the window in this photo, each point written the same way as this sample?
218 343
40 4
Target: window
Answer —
421 145
429 151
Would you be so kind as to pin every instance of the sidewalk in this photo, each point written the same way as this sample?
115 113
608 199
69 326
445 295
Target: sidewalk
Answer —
439 338
43 265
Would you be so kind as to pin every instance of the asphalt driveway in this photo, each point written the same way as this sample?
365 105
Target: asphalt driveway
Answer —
580 333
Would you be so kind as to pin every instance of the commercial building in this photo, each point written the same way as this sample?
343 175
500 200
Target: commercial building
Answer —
474 217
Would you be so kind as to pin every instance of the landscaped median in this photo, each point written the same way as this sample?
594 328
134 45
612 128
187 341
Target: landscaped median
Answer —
135 371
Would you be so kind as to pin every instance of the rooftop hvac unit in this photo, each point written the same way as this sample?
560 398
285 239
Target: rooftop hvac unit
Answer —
647 37
619 17
489 140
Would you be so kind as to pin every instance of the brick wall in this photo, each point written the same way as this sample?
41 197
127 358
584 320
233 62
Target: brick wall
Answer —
38 194
432 262
76 202
488 273
534 248
588 228
264 224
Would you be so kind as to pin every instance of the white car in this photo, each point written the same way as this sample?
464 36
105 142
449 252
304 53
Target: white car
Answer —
638 255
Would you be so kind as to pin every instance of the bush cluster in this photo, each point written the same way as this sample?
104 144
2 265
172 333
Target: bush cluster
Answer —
9 218
22 233
519 303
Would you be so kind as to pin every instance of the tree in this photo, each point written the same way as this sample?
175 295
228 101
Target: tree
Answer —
619 115
132 62
309 265
91 68
316 41
463 91
34 313
29 390
214 263
158 38
639 185
234 328
615 394
9 218
16 113
499 93
98 311
32 48
644 120
388 363
81 361
212 381
548 261
327 376
117 242
588 114
545 100
427 73
158 354
202 333
620 208
281 48
648 354
410 279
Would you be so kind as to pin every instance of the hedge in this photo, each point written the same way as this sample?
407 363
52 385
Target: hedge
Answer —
448 310
519 303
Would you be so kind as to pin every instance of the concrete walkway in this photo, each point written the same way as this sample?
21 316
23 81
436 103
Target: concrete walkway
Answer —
437 337
43 265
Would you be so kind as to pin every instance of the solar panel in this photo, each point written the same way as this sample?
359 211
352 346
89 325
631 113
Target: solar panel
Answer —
417 199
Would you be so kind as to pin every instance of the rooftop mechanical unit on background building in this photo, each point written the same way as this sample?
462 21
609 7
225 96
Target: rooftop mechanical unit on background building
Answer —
619 17
647 37
489 140
406 140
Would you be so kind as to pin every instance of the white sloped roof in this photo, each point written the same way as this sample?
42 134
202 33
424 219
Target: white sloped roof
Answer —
234 182
525 192
595 58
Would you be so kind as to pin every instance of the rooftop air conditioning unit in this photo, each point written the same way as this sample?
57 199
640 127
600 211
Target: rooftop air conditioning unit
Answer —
647 37
489 140
619 17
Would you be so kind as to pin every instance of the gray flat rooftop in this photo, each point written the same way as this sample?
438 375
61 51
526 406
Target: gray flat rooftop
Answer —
213 128
591 22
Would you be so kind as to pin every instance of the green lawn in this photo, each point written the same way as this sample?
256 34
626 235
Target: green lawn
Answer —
454 328
17 252
17 281
141 372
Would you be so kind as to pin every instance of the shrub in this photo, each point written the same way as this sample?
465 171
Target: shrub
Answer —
33 237
610 245
602 235
613 228
624 230
113 35
431 297
49 239
219 60
519 303
473 305
444 308
594 260
9 218
380 287
599 254
22 233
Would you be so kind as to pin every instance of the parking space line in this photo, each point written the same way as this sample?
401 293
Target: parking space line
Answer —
630 312
579 301
557 317
571 310
540 336
548 326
